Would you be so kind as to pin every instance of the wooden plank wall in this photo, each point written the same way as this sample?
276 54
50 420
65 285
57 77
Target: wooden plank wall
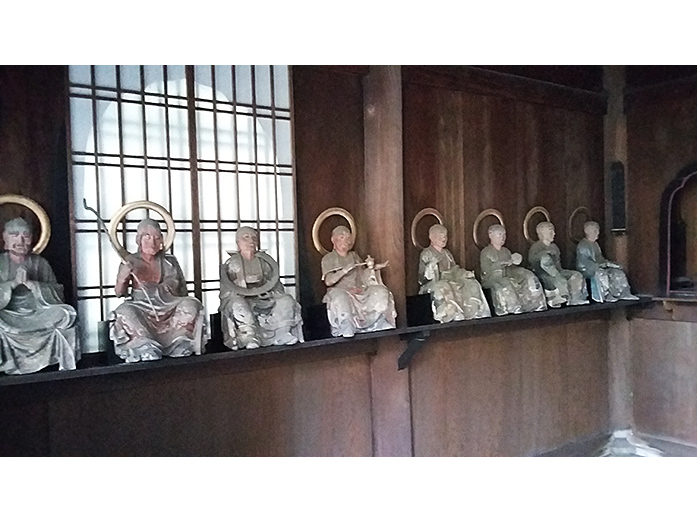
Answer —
465 152
662 139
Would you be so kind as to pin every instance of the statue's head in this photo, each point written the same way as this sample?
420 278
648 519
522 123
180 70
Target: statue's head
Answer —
149 237
497 235
342 239
438 235
247 239
17 236
545 232
591 230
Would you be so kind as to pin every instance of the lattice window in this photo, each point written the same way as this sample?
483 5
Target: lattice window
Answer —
212 144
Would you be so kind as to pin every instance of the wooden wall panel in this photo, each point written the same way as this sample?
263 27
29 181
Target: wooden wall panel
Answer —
329 163
33 154
486 151
665 378
661 140
518 392
312 409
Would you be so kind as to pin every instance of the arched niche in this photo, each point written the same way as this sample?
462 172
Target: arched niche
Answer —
678 236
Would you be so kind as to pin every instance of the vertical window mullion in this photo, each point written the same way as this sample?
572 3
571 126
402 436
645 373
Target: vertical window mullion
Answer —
236 144
119 120
254 134
95 138
275 163
217 165
145 132
193 165
167 141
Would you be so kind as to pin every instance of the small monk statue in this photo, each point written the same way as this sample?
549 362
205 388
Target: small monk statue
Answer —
36 328
562 286
251 316
455 293
159 318
608 280
513 288
356 299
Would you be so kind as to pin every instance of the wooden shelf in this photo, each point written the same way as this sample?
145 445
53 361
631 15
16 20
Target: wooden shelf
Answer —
414 335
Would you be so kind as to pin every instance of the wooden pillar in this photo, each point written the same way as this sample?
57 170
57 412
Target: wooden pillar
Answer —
383 191
619 351
383 219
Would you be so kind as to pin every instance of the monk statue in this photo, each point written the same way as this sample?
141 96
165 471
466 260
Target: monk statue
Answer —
36 328
255 309
608 280
455 293
561 286
159 318
356 299
513 288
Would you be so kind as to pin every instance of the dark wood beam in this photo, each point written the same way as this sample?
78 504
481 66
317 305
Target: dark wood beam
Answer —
492 83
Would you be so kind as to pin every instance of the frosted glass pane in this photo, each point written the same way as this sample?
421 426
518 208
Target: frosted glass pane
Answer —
154 79
283 142
130 77
226 137
107 127
208 192
84 186
109 190
80 74
178 133
229 243
243 83
267 242
132 128
267 197
89 314
228 198
155 122
286 257
181 195
247 197
262 79
202 75
280 86
87 268
210 260
205 135
81 124
176 80
286 207
134 184
105 75
183 250
111 260
211 304
245 138
223 82
265 153
158 185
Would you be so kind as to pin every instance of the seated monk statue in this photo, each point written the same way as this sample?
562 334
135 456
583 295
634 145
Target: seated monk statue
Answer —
159 318
36 328
455 293
356 299
513 288
562 286
255 309
608 280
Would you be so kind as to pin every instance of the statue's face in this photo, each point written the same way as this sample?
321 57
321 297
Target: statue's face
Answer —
547 234
592 232
248 241
497 238
342 242
17 242
151 241
439 239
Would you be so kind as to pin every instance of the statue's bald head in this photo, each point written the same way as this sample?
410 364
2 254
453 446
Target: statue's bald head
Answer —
17 225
